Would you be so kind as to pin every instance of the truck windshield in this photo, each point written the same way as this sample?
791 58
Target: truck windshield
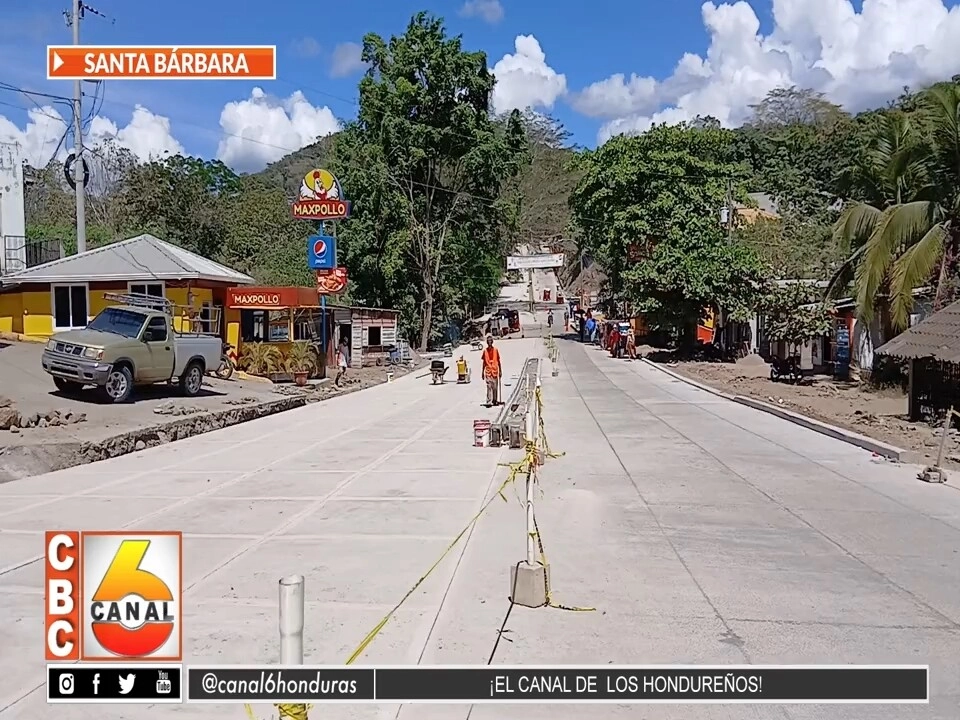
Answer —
119 322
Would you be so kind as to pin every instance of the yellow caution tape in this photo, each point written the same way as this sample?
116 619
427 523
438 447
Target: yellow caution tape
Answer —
522 467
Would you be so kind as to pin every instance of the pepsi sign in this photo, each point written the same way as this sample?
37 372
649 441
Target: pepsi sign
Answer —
321 252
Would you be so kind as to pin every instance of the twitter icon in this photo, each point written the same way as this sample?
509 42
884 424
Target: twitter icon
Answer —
126 683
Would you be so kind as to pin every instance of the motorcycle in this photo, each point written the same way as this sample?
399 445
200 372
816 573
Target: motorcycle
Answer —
786 369
226 367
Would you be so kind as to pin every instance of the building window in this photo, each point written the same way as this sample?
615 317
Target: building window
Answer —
69 306
151 289
253 325
374 338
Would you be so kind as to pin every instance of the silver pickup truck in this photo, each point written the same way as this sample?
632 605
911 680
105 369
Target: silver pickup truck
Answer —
129 345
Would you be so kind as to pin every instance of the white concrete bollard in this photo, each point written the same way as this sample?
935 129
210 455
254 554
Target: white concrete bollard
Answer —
291 620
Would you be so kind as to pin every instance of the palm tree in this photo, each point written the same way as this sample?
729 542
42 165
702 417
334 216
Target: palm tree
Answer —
912 175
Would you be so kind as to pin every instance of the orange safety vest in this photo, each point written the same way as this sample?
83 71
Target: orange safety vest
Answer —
491 362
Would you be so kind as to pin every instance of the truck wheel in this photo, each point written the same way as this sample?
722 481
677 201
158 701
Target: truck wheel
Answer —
67 387
119 385
192 380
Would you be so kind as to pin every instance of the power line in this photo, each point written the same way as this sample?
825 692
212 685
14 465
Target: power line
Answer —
220 133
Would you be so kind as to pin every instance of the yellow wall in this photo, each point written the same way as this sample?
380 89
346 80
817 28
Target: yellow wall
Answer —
11 312
30 312
37 313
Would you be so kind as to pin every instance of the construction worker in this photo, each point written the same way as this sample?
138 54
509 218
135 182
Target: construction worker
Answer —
491 372
463 372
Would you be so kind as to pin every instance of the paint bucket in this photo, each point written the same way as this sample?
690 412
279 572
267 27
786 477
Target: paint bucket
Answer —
389 377
481 433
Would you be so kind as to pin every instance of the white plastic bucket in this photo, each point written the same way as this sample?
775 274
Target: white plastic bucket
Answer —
481 433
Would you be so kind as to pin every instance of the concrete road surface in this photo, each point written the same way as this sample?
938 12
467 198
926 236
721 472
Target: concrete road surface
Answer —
702 531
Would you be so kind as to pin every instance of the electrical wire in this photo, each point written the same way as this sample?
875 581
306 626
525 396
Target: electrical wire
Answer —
220 133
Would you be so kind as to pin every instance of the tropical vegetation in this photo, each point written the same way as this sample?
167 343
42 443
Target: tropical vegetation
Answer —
442 189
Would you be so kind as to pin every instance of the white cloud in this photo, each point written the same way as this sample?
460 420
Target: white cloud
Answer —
147 135
346 60
307 47
490 11
262 129
525 80
857 59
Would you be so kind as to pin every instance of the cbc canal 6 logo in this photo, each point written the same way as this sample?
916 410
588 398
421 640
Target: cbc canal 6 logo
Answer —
132 596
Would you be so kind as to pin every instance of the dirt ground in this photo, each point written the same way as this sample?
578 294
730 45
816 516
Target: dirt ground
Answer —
52 426
880 414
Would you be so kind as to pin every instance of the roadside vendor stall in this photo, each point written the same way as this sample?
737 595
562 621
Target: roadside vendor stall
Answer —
280 316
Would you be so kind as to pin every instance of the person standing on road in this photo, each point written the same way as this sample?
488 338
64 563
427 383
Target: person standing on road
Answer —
631 345
491 372
591 328
550 319
342 362
566 320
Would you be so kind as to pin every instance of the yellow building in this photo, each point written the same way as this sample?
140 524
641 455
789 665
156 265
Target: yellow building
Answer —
66 293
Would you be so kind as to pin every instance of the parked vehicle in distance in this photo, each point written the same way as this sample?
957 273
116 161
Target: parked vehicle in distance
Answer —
130 344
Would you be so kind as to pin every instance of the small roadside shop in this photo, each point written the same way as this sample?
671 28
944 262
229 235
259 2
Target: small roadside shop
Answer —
281 316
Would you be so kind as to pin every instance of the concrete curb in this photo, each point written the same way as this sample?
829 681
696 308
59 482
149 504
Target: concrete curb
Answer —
24 458
837 433
689 381
19 337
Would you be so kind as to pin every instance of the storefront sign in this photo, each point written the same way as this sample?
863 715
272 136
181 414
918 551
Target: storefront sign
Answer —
321 198
332 282
321 252
261 297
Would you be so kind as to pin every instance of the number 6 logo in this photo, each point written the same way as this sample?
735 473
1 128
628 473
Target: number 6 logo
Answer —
133 611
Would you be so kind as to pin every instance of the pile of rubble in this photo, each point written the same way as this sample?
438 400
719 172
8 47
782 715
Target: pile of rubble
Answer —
171 408
13 420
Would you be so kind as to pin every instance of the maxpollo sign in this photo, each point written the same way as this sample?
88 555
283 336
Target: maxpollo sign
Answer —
321 198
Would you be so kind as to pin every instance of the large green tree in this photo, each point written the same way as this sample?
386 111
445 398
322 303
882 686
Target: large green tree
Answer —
648 208
438 161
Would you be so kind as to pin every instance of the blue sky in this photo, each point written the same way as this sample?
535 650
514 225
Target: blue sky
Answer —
688 58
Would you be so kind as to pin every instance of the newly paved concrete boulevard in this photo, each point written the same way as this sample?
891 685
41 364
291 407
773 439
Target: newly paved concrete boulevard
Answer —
701 530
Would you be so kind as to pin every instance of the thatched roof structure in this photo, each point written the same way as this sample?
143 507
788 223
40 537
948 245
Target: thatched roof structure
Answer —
937 337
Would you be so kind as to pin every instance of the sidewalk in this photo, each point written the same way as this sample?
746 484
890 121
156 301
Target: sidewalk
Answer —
361 494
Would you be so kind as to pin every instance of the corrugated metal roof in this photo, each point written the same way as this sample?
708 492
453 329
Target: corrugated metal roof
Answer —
143 257
937 337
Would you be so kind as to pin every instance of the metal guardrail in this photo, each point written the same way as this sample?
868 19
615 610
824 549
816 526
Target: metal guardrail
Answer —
510 422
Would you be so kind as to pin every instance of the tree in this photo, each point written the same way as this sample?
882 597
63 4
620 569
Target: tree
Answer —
539 194
909 235
111 165
424 106
791 106
658 196
795 314
181 200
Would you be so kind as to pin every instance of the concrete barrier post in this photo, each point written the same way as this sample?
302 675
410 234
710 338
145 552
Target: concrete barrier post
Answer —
529 580
291 620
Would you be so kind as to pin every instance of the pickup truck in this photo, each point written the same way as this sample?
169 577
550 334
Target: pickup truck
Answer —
125 346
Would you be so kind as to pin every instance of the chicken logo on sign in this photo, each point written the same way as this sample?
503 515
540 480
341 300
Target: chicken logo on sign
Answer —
321 198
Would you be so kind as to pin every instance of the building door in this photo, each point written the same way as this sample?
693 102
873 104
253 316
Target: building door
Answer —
160 349
69 307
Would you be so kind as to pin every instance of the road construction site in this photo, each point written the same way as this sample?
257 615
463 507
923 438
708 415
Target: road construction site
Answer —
686 528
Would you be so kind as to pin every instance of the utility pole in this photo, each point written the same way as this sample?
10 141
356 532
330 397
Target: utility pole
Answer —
729 211
78 137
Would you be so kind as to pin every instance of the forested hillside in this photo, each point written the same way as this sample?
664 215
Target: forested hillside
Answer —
868 201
